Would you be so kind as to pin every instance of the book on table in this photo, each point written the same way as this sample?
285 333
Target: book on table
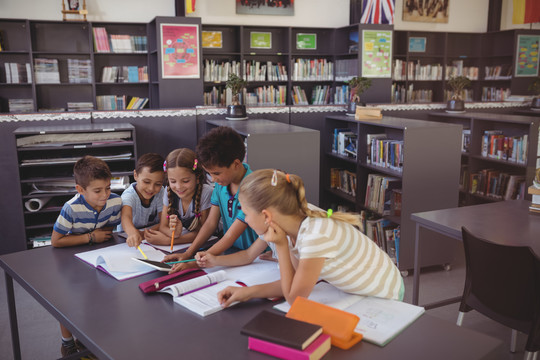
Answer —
276 328
381 320
315 351
200 295
117 260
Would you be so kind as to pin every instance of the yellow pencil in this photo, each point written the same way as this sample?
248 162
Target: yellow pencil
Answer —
143 254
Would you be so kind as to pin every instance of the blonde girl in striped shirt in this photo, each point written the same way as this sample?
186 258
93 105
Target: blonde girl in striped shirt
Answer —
310 245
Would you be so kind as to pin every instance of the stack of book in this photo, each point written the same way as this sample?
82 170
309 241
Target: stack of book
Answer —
17 73
535 203
21 105
46 71
79 71
285 338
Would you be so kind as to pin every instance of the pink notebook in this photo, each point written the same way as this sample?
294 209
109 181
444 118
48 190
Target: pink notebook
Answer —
314 351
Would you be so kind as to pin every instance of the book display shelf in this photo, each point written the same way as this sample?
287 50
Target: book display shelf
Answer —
46 155
487 59
426 182
499 155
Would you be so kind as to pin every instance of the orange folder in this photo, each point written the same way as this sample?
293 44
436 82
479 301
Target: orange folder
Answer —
337 323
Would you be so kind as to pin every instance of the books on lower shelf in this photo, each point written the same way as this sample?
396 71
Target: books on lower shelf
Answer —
120 102
79 71
384 152
21 105
312 69
493 183
378 193
46 71
381 320
343 180
17 73
496 145
116 260
124 74
204 301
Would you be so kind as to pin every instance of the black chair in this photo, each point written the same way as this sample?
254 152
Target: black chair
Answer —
503 283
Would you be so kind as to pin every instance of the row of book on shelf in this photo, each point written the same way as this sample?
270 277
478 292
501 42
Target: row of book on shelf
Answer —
496 145
260 96
118 43
414 70
120 102
124 74
257 71
493 183
17 73
79 71
312 69
405 94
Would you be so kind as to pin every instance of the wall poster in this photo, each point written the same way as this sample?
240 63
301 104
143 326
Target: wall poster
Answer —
376 53
212 39
180 51
527 55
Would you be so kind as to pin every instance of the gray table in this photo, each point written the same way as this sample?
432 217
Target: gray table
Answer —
115 320
505 223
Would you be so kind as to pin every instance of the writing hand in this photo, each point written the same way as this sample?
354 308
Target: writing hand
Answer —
134 240
183 266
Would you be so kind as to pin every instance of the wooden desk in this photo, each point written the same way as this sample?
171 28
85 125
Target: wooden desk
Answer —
115 320
505 222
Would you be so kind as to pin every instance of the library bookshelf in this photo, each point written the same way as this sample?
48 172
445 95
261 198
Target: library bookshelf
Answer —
428 175
487 163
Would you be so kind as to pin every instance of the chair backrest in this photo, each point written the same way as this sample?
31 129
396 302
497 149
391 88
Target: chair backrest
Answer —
502 282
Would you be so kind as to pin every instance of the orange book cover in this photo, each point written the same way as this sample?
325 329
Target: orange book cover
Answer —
337 323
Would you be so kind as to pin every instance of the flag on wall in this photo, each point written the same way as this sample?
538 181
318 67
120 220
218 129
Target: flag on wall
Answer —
526 11
190 6
377 12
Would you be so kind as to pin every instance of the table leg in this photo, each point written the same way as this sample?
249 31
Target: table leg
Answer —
13 317
416 276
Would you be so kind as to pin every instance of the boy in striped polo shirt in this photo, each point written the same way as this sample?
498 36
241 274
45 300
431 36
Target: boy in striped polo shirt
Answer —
88 218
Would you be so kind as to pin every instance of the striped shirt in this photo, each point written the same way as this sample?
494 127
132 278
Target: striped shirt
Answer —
354 263
78 217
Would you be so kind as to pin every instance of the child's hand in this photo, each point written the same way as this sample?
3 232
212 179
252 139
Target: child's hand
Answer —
173 220
268 255
205 259
233 294
172 257
275 234
152 236
134 240
101 235
183 266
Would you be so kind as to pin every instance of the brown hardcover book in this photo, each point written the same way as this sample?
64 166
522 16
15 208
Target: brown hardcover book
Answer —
281 330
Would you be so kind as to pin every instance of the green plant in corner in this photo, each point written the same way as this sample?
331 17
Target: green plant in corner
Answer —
236 84
358 85
458 84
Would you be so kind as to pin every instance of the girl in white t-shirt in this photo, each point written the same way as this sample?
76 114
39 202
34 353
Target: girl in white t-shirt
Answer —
310 245
187 203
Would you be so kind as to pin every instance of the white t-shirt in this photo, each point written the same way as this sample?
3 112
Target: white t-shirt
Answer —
354 263
143 216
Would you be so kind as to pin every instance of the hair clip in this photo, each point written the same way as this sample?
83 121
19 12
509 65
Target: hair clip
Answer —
165 166
195 163
273 182
329 213
198 215
288 178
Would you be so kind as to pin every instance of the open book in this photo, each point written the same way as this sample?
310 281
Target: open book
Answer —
199 295
381 320
167 248
116 260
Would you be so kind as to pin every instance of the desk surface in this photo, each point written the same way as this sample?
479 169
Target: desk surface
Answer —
505 222
115 320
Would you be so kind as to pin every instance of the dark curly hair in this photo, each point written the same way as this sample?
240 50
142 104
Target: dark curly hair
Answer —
220 147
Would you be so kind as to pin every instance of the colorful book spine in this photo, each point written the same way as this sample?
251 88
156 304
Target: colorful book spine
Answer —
316 350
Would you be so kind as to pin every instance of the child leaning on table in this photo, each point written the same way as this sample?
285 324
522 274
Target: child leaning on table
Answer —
142 201
89 217
310 245
187 200
221 152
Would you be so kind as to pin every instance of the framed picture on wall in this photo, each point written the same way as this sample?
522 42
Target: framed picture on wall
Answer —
212 39
260 40
180 51
306 41
376 53
435 11
527 55
417 44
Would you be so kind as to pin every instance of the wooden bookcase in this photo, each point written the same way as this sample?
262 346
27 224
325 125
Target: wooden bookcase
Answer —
42 164
429 176
473 161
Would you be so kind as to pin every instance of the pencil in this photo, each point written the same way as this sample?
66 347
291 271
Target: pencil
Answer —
142 252
181 261
172 240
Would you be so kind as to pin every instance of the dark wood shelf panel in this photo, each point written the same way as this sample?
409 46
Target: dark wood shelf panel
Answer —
498 161
342 195
341 157
382 170
75 146
63 178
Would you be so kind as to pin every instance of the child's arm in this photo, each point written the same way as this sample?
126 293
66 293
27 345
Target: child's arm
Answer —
228 239
134 238
97 236
206 259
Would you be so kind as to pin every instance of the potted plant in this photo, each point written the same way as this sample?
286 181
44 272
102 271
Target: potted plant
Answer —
358 85
535 88
236 111
457 84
